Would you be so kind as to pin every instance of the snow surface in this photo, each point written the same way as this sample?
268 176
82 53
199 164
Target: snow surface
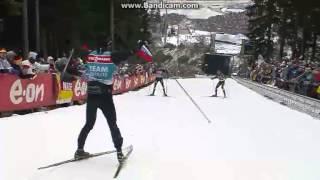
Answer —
221 48
226 10
208 8
224 48
237 39
251 138
201 33
197 36
202 13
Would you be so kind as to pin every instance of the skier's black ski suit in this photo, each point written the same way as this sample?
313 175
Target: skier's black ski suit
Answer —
100 96
160 73
221 82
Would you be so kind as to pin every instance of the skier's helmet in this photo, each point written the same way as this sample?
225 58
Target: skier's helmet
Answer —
103 41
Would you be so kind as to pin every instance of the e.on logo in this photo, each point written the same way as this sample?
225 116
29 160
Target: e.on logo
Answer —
31 93
80 88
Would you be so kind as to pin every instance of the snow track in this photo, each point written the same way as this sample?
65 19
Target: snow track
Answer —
250 138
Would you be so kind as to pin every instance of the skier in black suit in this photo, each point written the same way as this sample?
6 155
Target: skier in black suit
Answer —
221 83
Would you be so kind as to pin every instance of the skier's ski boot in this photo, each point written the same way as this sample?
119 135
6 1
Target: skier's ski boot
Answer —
151 94
81 154
214 95
165 94
120 156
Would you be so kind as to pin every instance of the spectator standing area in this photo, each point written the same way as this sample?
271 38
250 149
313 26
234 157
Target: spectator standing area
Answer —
250 138
296 76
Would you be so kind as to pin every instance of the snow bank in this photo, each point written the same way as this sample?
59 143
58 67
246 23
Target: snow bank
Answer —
237 39
204 36
209 8
223 48
227 10
202 13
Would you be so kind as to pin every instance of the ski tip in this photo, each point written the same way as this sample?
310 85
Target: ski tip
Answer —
130 147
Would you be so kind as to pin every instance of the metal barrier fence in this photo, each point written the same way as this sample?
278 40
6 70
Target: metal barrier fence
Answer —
298 102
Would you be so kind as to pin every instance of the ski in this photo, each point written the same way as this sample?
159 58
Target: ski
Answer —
123 162
223 97
158 96
74 160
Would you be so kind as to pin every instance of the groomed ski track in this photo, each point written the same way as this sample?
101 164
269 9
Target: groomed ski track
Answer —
250 138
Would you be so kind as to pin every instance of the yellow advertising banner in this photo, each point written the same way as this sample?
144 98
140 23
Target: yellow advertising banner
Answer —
318 90
65 92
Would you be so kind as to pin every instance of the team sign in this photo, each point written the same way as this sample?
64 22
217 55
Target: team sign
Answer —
99 59
100 67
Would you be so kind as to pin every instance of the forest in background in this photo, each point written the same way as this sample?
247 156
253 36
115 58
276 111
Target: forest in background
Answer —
70 24
277 27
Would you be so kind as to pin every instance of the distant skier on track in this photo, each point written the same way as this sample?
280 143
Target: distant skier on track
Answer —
100 86
221 83
160 74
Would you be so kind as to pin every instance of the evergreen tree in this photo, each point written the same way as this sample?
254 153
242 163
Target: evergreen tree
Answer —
74 22
264 16
10 8
293 22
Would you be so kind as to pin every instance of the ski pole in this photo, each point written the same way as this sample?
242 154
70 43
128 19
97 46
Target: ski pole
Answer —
70 56
149 88
204 115
166 86
167 74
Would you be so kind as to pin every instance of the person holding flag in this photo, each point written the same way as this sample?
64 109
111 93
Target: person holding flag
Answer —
99 71
144 52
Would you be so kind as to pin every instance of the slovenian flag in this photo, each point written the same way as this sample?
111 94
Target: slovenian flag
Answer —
144 53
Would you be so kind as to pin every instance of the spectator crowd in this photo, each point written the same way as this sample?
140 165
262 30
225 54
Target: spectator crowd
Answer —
295 76
12 63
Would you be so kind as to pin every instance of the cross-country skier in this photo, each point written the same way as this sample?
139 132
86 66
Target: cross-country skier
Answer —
160 74
221 83
99 74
